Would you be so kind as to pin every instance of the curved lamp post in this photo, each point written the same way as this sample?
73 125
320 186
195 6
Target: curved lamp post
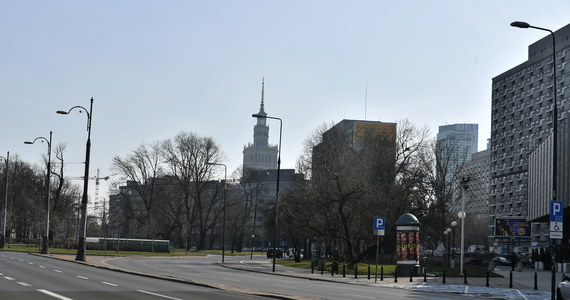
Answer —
4 203
81 249
525 25
224 211
45 233
263 116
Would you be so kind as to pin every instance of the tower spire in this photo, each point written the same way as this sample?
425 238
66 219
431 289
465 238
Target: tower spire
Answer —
262 106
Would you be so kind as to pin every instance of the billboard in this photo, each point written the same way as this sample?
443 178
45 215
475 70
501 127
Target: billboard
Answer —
512 228
408 246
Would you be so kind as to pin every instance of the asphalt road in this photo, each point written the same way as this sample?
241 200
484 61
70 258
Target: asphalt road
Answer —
24 276
205 269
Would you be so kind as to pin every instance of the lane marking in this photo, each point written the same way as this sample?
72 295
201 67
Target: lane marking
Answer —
30 263
24 284
54 295
108 283
42 267
9 278
159 295
58 271
1 274
82 277
522 295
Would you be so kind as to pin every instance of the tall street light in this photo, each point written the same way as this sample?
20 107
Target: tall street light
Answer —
461 215
4 203
263 116
448 233
453 225
224 209
81 249
520 24
45 233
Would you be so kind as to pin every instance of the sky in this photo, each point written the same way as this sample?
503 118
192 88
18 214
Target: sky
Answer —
158 68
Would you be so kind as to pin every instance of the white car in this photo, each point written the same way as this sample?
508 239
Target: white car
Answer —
563 290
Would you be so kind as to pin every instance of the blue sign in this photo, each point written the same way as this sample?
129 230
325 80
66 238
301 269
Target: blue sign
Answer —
379 223
556 211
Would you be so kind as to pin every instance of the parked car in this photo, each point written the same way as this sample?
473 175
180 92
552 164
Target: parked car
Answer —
527 262
501 261
563 290
270 253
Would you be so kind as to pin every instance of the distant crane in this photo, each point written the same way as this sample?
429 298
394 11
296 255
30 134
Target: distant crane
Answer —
96 178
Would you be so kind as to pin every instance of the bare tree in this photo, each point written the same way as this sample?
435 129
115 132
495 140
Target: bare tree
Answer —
141 168
186 157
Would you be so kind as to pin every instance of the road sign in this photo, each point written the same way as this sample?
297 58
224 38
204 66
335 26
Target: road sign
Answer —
556 219
379 225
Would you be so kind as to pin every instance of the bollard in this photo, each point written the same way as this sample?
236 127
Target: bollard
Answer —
312 268
343 270
487 282
381 273
443 276
368 272
396 274
411 273
535 282
425 275
323 267
464 277
355 271
332 269
511 280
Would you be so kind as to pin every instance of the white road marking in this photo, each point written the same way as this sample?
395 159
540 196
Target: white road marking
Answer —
522 295
1 274
24 284
42 267
58 271
9 278
108 283
54 295
82 277
30 263
159 295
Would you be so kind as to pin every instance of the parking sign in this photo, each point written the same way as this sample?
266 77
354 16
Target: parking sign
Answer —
556 219
379 225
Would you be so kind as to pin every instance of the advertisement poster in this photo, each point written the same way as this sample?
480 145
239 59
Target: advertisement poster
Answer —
512 228
408 246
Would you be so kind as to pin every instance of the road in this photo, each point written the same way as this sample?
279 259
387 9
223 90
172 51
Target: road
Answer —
24 276
205 269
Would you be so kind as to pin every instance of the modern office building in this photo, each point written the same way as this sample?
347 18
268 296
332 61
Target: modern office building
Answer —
260 155
459 142
521 125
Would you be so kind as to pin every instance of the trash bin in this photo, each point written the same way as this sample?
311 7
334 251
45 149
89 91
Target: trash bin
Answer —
321 264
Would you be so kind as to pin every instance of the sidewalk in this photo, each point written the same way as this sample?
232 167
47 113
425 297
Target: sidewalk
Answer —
523 282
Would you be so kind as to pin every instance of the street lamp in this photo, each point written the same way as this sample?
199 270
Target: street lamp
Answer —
520 24
453 225
461 215
4 203
45 234
263 116
448 232
224 209
81 247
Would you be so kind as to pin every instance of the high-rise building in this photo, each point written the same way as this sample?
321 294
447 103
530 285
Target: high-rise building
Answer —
456 143
521 124
260 155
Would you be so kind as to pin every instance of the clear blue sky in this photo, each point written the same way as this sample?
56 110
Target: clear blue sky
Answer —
156 68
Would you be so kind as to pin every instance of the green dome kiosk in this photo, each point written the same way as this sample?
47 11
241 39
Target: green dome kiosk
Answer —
408 245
